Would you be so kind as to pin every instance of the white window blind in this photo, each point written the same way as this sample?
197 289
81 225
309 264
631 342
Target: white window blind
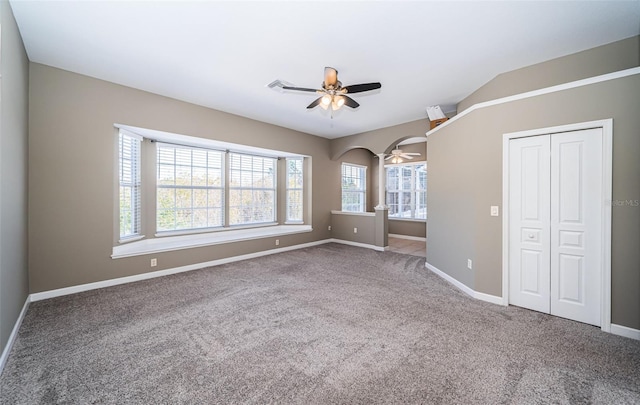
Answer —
407 191
252 189
129 181
294 189
190 188
354 191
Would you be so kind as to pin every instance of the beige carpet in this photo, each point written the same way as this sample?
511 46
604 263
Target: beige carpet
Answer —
326 325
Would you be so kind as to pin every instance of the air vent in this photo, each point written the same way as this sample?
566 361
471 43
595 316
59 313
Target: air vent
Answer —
279 84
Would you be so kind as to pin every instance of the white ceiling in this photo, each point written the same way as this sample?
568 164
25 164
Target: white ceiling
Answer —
223 54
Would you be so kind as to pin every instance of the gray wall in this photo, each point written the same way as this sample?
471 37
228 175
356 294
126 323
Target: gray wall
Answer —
380 140
604 59
342 226
14 68
72 173
465 179
408 228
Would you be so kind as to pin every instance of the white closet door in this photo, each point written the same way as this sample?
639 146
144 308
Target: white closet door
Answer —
576 225
529 213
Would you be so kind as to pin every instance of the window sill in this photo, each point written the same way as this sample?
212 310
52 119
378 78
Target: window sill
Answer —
131 239
170 243
407 219
364 214
201 231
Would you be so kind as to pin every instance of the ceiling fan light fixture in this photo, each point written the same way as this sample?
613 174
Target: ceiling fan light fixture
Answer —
333 94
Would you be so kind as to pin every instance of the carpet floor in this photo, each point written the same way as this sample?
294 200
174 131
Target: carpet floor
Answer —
331 324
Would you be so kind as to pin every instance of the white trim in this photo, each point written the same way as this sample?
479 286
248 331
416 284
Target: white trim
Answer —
451 280
465 289
131 239
607 215
625 331
363 214
494 299
607 165
197 231
548 90
13 335
145 276
410 163
171 243
358 244
424 221
355 165
160 273
129 133
174 139
398 236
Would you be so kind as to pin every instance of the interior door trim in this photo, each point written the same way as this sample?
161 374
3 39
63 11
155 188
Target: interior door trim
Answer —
607 164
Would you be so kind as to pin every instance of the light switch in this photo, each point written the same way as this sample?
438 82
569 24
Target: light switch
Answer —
495 211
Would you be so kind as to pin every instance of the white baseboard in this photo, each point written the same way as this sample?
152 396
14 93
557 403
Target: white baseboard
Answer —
494 299
450 279
358 244
13 335
398 236
615 329
625 331
467 290
160 273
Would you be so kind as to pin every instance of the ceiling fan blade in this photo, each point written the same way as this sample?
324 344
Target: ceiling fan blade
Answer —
315 102
349 102
330 76
301 89
359 88
412 153
405 156
388 157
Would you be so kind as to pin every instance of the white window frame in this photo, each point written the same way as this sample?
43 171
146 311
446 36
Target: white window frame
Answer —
362 192
292 186
193 188
413 191
178 240
232 187
133 165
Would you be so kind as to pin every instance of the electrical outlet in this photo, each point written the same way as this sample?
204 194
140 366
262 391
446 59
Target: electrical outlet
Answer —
355 230
154 262
277 242
329 227
495 211
469 264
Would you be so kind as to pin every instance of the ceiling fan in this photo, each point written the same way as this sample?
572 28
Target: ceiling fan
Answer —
333 95
397 155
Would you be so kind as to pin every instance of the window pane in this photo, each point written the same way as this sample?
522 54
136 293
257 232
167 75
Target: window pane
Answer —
406 191
189 185
251 189
129 185
166 220
294 193
353 188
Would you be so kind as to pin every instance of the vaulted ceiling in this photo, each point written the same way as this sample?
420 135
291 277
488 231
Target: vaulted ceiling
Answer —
223 54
